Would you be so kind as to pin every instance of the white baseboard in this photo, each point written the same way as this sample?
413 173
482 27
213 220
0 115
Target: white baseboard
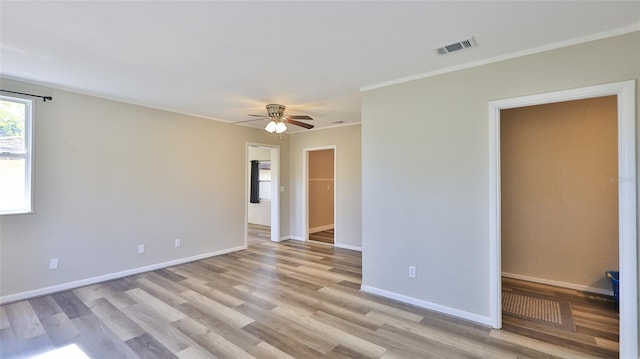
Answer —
347 246
296 238
321 228
582 288
427 305
103 278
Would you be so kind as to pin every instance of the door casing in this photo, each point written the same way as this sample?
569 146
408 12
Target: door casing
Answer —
627 200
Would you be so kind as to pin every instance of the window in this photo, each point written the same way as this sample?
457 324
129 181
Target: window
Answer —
265 179
16 155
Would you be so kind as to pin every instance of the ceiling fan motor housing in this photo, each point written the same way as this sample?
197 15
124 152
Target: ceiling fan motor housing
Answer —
275 111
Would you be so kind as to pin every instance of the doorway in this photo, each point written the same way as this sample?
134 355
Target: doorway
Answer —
559 222
262 200
627 201
320 194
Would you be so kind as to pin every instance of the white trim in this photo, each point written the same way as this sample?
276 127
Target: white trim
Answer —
103 278
348 246
295 238
627 200
513 55
426 305
578 287
275 190
321 228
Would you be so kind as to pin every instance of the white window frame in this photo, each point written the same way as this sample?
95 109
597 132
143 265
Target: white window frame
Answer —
28 156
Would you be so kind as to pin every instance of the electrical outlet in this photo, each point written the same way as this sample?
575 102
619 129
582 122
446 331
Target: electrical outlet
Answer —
177 243
140 248
53 263
412 272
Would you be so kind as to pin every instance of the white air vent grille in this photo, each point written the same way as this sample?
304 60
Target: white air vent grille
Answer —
456 46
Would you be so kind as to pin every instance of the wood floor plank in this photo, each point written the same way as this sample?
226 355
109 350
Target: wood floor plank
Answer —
220 311
214 294
549 349
117 321
211 341
147 347
160 292
290 327
210 323
12 345
341 337
170 337
163 310
264 350
195 352
23 321
282 341
4 321
45 306
98 341
60 330
70 304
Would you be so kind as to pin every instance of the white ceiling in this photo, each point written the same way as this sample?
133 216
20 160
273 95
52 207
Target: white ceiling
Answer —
224 60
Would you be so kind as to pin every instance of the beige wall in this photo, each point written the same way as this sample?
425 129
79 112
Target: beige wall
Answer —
559 202
321 190
110 176
425 180
348 180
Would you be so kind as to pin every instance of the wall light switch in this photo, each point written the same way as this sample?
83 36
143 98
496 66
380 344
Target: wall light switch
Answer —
140 248
53 263
177 243
412 272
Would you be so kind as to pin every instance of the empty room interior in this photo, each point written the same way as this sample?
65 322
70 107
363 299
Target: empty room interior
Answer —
205 179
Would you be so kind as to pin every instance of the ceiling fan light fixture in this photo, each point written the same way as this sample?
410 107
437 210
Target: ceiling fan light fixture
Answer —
271 126
281 127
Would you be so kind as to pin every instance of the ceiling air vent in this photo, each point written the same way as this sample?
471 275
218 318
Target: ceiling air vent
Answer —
460 45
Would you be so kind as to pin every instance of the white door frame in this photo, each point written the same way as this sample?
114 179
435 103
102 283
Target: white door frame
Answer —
305 190
275 190
627 201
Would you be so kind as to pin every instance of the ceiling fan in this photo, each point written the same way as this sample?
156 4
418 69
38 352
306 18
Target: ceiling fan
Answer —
278 121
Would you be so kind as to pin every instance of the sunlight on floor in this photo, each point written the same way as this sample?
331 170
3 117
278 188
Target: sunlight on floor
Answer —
71 351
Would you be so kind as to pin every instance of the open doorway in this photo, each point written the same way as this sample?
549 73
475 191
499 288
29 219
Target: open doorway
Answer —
626 192
320 195
262 203
559 222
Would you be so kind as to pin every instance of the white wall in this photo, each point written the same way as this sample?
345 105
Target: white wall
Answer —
426 179
259 213
348 214
110 176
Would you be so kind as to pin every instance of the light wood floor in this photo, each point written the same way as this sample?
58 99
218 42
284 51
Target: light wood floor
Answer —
595 317
324 236
274 300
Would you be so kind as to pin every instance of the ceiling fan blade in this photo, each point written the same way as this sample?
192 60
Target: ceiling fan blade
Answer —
257 115
300 117
301 124
256 119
